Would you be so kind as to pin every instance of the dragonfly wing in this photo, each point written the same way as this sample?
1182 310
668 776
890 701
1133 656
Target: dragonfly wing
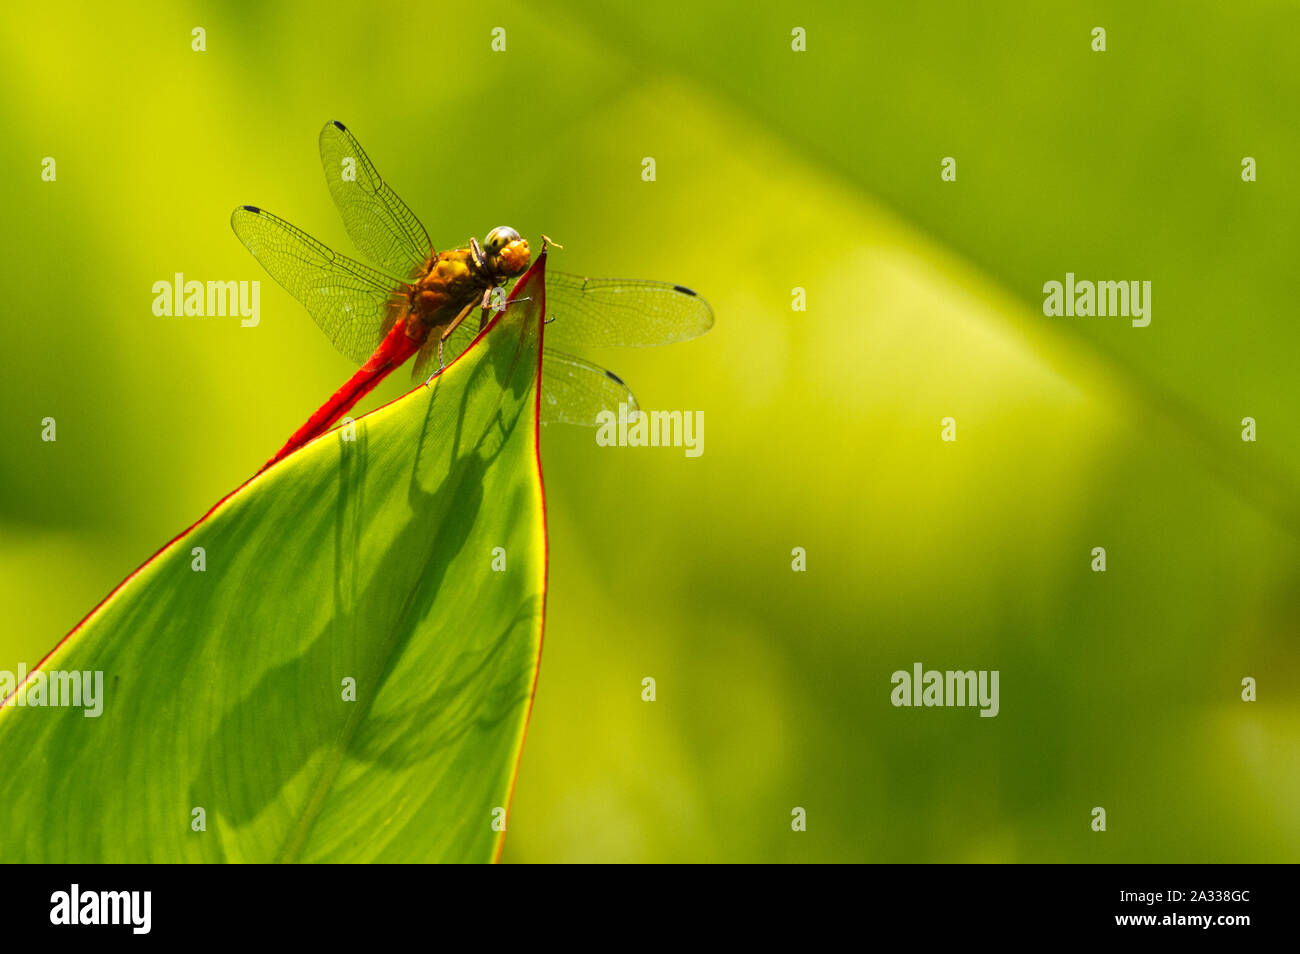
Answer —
618 311
352 303
385 230
574 391
426 360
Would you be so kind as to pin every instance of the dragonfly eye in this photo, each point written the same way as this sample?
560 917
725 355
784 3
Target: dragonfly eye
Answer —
499 238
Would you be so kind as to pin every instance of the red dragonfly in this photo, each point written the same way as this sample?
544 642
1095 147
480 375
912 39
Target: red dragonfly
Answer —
415 300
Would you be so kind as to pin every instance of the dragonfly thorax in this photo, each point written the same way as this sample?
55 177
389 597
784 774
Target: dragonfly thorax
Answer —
458 278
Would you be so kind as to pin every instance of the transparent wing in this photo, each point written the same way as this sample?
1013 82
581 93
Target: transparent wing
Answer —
381 225
352 303
574 391
619 311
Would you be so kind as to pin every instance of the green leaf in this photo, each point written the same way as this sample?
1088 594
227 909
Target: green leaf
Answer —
223 688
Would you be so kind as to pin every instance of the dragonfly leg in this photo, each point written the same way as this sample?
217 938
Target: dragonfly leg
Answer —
499 305
455 323
476 251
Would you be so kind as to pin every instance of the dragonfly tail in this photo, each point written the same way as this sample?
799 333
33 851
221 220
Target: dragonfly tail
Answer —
397 347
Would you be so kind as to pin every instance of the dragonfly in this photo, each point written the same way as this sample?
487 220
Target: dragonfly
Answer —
412 300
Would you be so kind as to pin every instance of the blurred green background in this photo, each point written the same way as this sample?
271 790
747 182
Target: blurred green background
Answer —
776 169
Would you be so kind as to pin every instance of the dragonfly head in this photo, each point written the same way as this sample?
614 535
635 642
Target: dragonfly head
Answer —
506 251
